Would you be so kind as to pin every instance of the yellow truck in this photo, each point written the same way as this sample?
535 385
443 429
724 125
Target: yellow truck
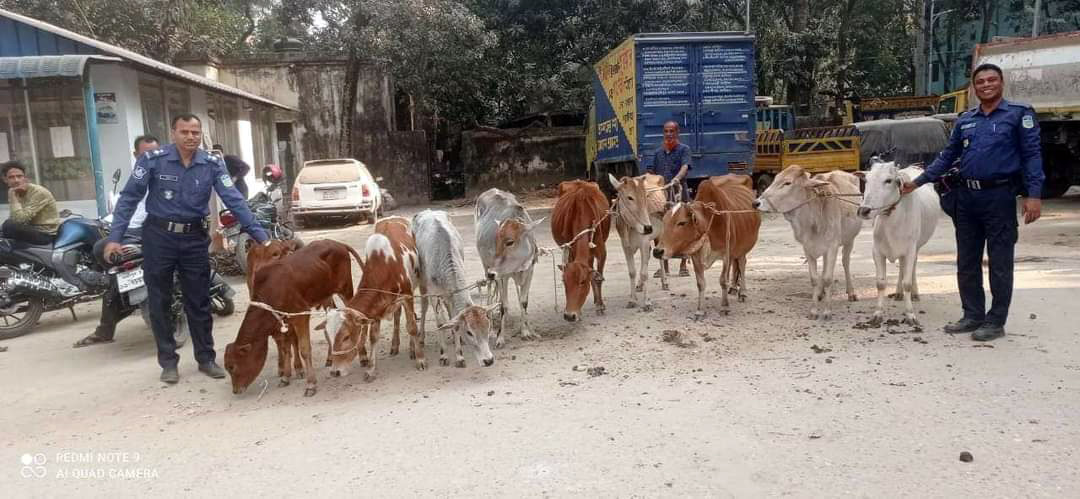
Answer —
818 150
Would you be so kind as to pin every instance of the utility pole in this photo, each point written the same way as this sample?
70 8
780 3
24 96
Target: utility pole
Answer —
930 46
1035 22
748 16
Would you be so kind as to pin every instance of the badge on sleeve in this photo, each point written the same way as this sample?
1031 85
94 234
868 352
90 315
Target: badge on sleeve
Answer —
1028 121
139 173
226 181
169 194
966 142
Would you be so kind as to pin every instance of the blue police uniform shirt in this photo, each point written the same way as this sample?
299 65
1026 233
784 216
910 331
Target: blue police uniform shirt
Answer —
667 164
180 194
993 146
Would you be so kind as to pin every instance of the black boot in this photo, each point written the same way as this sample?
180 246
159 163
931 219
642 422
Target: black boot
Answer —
964 325
988 332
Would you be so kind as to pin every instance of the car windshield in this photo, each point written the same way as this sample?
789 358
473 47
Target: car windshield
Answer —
329 173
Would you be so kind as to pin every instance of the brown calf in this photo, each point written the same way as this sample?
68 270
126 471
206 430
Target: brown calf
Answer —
581 207
295 283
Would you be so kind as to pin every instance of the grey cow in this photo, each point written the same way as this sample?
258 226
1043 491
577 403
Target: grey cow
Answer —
440 249
508 249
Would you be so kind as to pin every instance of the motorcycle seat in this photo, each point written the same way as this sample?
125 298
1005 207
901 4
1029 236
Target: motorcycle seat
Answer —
17 244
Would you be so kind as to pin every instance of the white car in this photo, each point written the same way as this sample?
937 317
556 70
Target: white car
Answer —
335 188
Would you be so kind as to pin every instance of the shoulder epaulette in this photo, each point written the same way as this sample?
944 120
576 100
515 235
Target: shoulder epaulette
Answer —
156 153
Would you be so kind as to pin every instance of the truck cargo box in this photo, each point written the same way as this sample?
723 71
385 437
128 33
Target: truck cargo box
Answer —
702 81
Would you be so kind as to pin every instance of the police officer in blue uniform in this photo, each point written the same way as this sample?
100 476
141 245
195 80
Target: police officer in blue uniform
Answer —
997 144
177 180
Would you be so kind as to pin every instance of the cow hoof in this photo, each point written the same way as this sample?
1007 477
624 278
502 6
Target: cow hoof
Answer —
283 382
915 297
460 363
639 288
369 377
528 335
421 365
632 304
698 315
499 341
826 316
328 363
852 297
394 352
412 355
742 298
365 363
300 374
443 361
647 307
876 320
600 310
896 296
309 392
910 320
665 287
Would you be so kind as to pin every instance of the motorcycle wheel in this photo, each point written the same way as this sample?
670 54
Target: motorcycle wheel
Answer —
240 251
181 333
20 318
222 306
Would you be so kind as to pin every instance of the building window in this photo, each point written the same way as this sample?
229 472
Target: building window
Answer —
177 101
153 107
15 143
63 149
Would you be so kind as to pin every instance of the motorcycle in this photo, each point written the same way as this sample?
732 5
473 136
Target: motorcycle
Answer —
129 272
266 207
39 278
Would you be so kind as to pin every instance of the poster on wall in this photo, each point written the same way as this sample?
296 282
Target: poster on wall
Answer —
5 154
62 146
105 102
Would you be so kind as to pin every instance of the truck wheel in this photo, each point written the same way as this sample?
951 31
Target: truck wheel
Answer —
763 182
20 318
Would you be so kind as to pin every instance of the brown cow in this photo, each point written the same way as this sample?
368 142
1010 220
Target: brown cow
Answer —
390 275
296 283
262 254
703 232
581 212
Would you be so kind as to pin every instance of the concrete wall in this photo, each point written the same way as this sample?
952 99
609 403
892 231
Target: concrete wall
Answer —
515 159
315 86
116 139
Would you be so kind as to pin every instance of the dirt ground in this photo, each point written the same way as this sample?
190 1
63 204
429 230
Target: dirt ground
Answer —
761 402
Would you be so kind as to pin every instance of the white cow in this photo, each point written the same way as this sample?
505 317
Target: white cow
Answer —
508 250
902 225
442 272
822 211
639 209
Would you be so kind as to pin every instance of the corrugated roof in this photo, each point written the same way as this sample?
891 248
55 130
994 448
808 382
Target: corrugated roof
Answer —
44 66
142 60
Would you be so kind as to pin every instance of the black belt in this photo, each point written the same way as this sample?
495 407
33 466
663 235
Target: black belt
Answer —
178 227
982 185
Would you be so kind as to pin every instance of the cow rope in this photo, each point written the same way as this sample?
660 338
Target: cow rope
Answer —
818 194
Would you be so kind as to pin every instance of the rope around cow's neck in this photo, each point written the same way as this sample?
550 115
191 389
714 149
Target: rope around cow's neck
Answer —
826 195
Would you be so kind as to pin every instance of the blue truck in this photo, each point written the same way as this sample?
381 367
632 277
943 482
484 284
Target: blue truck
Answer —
702 81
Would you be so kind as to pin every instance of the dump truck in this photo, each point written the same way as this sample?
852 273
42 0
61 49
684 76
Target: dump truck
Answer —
818 150
1045 73
705 82
878 108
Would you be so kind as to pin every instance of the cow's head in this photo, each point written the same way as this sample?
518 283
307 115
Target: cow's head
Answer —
685 227
631 203
259 255
244 362
515 246
577 280
474 325
883 183
791 189
347 328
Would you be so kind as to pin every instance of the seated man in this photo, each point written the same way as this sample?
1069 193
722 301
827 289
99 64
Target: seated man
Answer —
34 218
112 307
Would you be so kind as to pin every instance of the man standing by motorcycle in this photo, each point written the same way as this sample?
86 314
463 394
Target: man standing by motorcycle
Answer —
112 309
34 217
179 178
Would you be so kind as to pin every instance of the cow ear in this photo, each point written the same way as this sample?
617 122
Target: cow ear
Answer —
321 326
562 268
243 349
534 225
339 303
614 182
817 182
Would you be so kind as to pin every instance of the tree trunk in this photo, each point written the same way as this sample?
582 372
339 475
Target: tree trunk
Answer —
843 49
798 91
348 104
919 59
988 9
